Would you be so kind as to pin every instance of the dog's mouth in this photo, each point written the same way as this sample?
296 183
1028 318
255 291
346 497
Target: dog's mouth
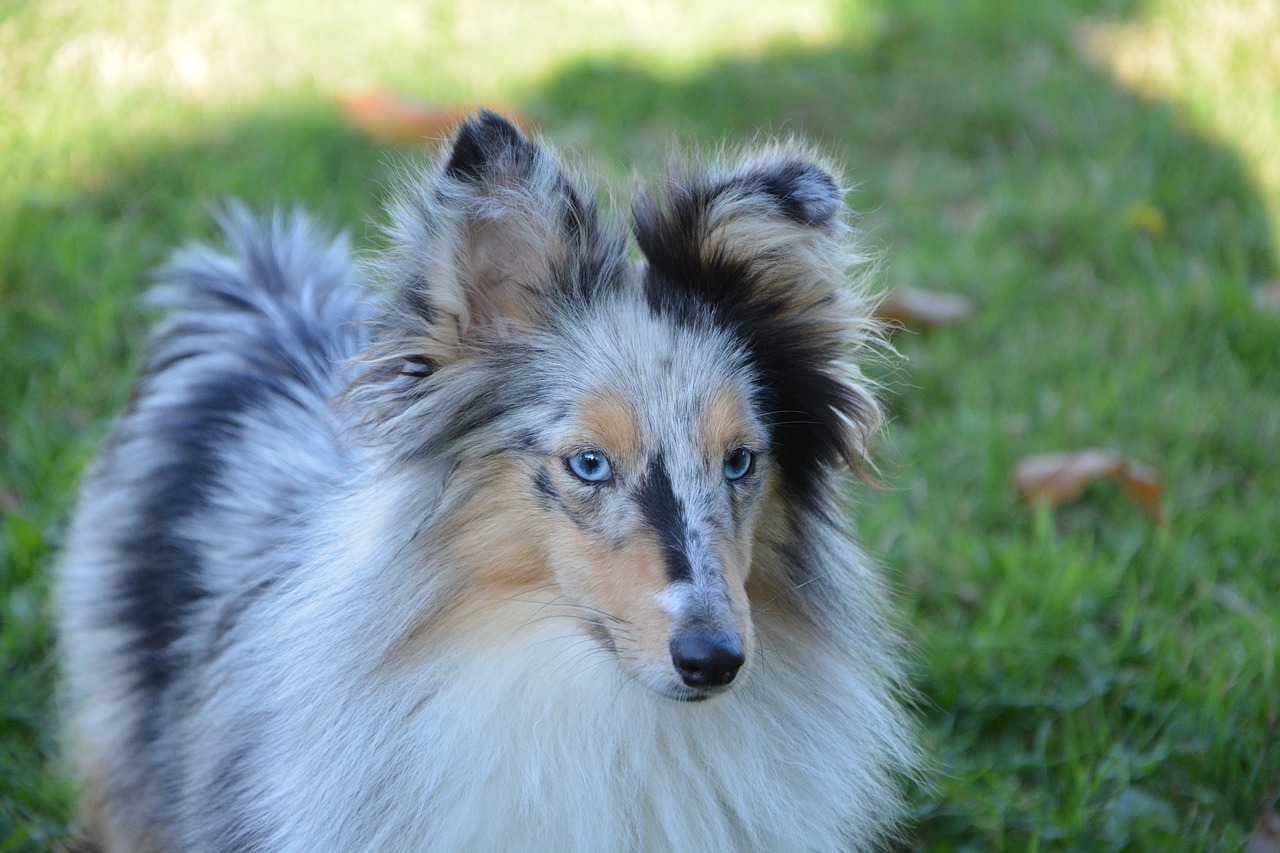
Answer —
681 693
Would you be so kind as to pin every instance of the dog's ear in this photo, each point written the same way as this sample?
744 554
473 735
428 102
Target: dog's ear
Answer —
761 248
484 241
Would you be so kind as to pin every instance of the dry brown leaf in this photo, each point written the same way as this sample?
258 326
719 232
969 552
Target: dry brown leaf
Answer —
388 117
924 309
1145 486
1058 478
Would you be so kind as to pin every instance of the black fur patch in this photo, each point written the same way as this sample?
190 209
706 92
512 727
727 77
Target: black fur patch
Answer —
543 486
488 402
235 609
485 141
162 582
579 215
417 298
549 497
665 514
599 265
802 191
229 788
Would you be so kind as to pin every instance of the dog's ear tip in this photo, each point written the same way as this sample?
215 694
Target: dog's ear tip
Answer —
478 141
803 190
495 125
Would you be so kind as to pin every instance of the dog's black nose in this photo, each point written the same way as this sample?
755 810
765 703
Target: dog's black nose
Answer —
705 659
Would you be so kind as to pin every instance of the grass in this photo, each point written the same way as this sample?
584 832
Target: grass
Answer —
1101 178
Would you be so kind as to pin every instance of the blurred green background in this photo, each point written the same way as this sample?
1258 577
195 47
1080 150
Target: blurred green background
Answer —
1101 179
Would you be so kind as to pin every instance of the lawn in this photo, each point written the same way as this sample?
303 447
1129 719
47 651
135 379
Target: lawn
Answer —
1100 179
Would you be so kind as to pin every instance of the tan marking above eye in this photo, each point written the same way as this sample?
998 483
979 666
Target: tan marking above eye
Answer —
726 425
609 424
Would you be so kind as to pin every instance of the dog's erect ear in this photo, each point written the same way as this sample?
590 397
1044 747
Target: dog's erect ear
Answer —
761 248
483 241
768 230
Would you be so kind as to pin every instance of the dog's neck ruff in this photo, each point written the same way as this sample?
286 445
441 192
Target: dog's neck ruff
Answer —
524 735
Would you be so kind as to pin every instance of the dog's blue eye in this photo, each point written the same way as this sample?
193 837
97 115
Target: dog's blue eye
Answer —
738 463
590 466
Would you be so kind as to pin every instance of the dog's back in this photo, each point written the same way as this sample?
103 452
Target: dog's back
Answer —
227 439
541 550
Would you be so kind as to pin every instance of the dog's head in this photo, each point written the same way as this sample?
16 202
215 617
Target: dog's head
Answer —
630 441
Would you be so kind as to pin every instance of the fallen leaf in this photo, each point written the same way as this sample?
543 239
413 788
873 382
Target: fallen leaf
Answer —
1058 478
924 309
388 117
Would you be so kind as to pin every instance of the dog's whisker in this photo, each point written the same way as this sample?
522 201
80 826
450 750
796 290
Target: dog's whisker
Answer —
762 608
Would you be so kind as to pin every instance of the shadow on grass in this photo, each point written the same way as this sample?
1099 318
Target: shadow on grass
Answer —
953 117
993 157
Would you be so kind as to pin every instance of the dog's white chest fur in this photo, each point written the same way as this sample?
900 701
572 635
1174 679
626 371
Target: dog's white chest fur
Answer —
534 740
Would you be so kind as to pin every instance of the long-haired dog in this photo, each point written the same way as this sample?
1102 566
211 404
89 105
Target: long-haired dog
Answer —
537 547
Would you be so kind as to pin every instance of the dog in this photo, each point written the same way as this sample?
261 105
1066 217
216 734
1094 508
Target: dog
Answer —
522 535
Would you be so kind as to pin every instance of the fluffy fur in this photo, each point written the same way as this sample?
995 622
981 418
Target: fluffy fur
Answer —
347 575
